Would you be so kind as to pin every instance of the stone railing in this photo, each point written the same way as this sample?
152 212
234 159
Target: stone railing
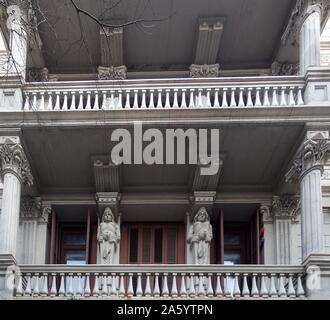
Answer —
160 281
164 94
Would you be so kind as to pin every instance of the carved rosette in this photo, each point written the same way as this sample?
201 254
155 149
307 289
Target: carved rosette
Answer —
13 160
204 70
313 154
112 73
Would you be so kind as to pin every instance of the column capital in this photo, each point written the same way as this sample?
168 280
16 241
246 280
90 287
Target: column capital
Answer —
33 208
302 10
312 155
13 159
204 70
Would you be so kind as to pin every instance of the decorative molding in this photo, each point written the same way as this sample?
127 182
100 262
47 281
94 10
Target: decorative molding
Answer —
33 208
40 75
284 69
106 174
204 71
13 159
286 206
266 213
112 73
108 199
302 10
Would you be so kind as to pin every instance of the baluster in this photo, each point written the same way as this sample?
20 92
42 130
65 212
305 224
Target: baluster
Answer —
73 101
281 288
88 102
291 290
128 100
300 100
53 289
174 290
61 291
50 101
105 285
241 102
258 100
237 290
209 289
200 99
113 291
201 290
34 101
165 291
266 102
249 102
112 100
81 100
272 289
283 99
79 287
183 290
57 101
27 102
104 100
300 289
19 286
224 102
216 103
228 293
130 290
218 289
87 290
136 100
120 100
96 100
69 291
121 292
175 99
27 291
263 288
254 290
208 98
191 100
183 99
36 285
274 97
151 100
65 101
159 102
291 97
192 291
139 291
42 101
245 291
143 102
44 290
156 287
147 291
96 289
232 99
167 99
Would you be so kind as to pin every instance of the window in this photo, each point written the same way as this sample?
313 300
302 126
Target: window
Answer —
235 245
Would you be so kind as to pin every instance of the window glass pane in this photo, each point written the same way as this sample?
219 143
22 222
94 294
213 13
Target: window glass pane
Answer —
75 238
74 257
133 246
232 257
171 242
158 245
232 238
146 245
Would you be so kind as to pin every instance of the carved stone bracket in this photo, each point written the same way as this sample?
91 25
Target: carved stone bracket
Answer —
204 70
112 73
108 199
284 69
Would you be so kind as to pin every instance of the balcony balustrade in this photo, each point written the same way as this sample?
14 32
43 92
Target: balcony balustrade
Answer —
159 281
165 94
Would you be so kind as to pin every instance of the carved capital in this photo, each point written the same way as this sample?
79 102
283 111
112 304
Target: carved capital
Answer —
312 154
42 75
13 160
285 207
204 70
302 10
284 69
112 73
32 208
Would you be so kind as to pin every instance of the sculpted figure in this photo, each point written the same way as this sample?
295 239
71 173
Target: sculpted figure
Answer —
108 236
200 235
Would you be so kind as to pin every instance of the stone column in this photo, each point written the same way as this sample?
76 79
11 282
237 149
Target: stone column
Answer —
15 170
307 168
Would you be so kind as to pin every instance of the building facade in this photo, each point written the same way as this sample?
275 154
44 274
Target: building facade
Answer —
220 187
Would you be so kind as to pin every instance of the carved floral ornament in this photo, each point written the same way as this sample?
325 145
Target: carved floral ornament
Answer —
13 159
112 73
204 70
32 208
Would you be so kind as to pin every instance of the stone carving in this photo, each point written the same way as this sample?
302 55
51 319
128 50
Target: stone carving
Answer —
112 73
13 159
200 235
284 69
204 70
30 207
42 75
14 17
285 206
108 236
266 213
312 153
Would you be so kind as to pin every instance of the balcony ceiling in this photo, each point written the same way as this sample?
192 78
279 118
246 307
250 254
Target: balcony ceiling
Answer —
250 39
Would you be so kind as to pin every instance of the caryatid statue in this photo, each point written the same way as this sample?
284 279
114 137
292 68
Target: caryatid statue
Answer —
200 235
108 236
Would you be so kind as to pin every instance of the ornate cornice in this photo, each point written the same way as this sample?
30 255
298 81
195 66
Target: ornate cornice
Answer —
13 160
204 70
112 73
313 154
302 10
